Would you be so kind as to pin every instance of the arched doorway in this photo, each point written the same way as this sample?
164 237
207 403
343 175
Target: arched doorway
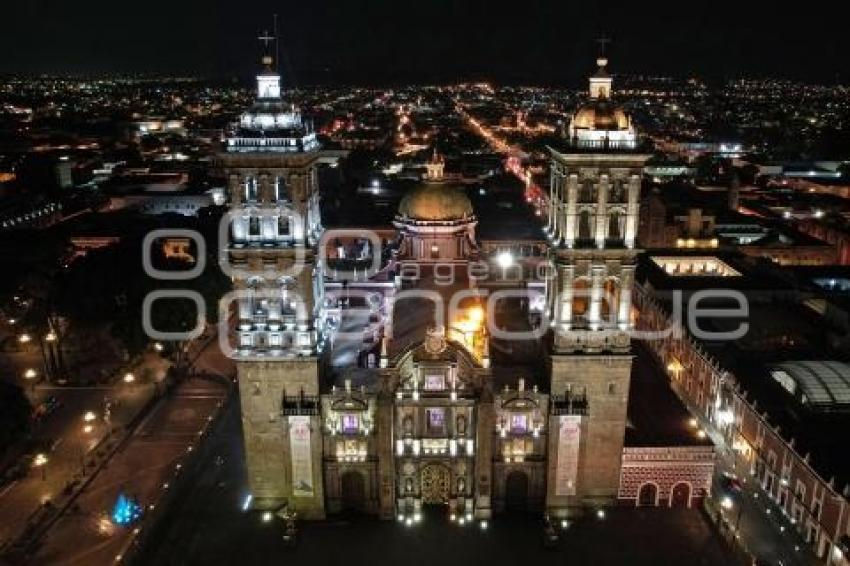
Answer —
436 481
353 488
516 492
681 495
648 495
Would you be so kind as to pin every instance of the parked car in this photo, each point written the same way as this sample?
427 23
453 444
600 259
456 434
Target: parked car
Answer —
46 408
730 482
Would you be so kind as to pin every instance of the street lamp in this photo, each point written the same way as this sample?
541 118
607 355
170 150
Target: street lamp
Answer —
89 416
50 337
129 378
158 346
24 338
41 462
30 374
505 260
728 504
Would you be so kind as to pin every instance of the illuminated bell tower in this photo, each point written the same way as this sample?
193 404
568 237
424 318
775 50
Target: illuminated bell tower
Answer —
270 162
595 191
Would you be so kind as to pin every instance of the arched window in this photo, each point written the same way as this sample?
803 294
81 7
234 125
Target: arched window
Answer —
281 190
254 226
616 193
609 305
581 301
586 192
251 190
283 225
584 225
256 303
615 228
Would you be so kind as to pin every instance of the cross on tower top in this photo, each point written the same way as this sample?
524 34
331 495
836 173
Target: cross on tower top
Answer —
266 38
603 41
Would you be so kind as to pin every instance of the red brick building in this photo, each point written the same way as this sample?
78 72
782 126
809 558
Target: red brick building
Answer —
815 503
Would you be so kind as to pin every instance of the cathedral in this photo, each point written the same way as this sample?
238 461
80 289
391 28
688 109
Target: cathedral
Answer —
418 417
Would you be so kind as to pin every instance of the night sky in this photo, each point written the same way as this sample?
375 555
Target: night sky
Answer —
397 41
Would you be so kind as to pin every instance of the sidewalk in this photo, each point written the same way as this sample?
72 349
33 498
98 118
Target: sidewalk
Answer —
78 448
763 529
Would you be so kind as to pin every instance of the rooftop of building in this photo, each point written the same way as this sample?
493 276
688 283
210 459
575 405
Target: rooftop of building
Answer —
719 270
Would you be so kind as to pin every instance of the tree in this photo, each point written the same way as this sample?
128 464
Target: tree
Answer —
15 414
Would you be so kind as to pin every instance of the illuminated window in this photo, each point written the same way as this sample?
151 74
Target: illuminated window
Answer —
581 298
435 382
350 423
519 423
436 420
610 301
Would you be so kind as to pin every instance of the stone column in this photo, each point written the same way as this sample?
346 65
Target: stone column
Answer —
597 274
567 278
601 212
553 180
304 316
235 183
627 274
571 212
632 211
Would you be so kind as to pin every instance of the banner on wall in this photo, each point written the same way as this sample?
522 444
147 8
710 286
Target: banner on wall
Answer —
569 437
302 459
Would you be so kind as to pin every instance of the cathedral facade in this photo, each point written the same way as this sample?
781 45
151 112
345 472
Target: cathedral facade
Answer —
423 419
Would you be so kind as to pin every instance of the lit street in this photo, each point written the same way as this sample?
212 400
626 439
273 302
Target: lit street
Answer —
69 440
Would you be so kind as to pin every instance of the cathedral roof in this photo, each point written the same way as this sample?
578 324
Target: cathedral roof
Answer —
435 202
